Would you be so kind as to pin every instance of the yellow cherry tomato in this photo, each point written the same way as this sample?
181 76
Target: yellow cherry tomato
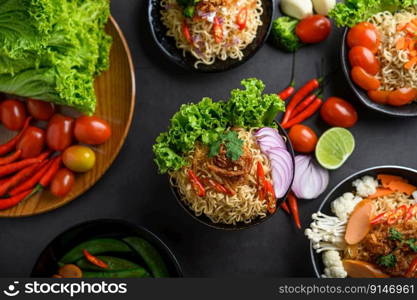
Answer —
79 158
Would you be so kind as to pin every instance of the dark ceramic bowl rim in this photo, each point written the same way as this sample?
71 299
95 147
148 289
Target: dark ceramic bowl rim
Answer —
384 109
135 227
231 66
313 254
240 226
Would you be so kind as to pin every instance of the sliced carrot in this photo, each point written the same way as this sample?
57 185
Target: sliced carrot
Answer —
402 187
414 21
410 63
362 269
386 179
400 45
412 54
380 192
359 222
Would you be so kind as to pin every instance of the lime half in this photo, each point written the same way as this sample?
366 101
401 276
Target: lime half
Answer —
334 147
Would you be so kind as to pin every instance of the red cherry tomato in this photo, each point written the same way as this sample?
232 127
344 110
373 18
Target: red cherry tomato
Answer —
380 97
313 29
303 138
40 110
402 96
364 34
363 57
62 182
364 79
13 114
32 142
338 112
60 131
92 130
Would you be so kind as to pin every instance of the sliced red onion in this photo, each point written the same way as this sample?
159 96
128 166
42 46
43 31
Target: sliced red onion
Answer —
273 146
269 138
310 179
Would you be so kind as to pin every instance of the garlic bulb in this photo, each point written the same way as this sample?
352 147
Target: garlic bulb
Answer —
298 9
323 7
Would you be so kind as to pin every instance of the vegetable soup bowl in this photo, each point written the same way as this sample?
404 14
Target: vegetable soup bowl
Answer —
47 263
345 186
168 46
409 110
241 225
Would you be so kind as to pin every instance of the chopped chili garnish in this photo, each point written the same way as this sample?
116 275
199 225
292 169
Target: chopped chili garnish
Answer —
95 260
217 31
196 183
242 18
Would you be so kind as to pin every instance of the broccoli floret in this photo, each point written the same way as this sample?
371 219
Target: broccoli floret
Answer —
283 34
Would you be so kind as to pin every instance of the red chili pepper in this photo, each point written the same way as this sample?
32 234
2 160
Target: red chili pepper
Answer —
302 116
293 204
10 158
19 177
306 103
196 183
271 203
7 203
242 18
217 186
411 212
49 175
33 181
412 268
217 30
95 260
261 181
10 145
285 207
285 94
17 166
299 96
381 218
186 32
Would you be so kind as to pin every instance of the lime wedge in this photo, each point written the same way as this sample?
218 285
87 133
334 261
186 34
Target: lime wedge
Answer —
334 147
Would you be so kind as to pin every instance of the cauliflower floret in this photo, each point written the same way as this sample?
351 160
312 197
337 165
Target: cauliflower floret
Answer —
343 206
333 265
365 186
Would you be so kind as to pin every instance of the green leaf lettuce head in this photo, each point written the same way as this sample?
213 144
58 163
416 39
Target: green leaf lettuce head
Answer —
283 34
52 49
207 121
351 12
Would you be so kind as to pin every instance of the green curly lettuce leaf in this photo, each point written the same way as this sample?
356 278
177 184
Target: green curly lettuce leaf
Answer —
52 49
251 108
351 12
207 121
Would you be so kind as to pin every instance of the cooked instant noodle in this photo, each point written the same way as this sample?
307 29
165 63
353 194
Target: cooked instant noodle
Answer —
202 42
393 74
244 205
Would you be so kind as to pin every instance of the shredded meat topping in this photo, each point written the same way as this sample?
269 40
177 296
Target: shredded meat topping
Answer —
378 243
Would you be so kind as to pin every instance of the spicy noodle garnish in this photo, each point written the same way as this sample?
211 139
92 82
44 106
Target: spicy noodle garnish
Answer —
373 232
212 29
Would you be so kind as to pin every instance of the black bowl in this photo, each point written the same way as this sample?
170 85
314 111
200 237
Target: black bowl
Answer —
47 263
168 47
346 186
206 221
409 110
